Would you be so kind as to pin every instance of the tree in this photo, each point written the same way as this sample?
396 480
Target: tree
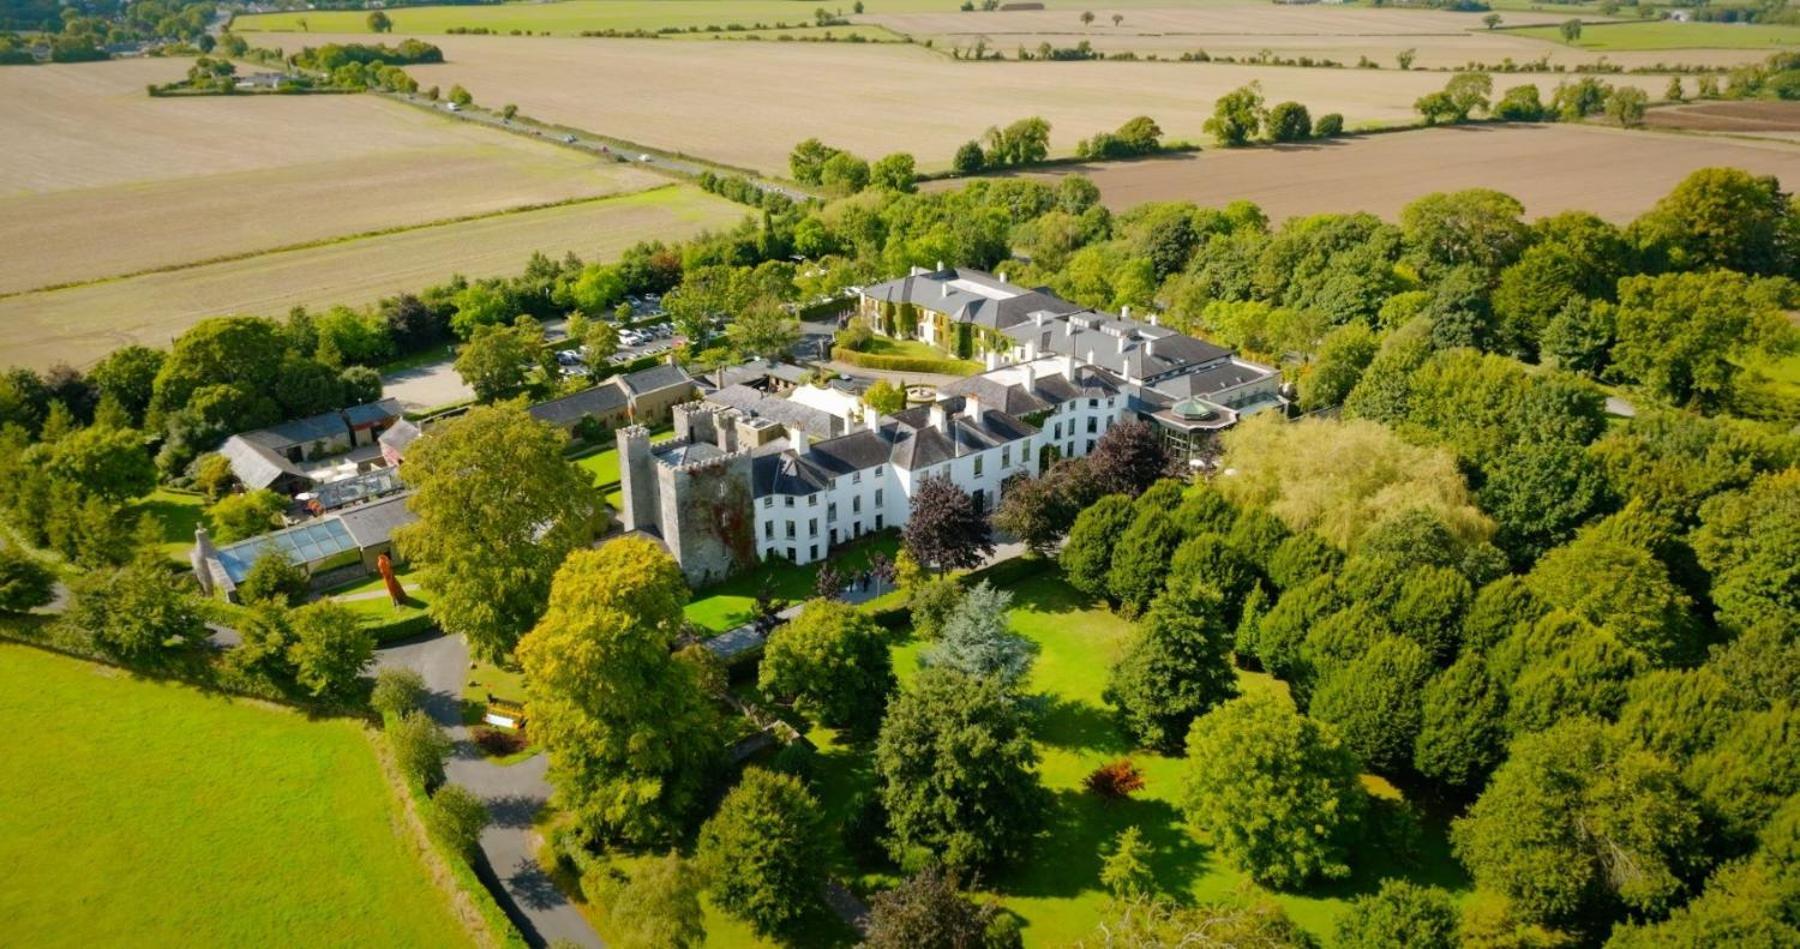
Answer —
1745 541
833 661
109 463
398 691
969 159
887 398
380 22
1462 732
1401 913
1626 105
1570 30
420 748
496 361
807 161
945 531
499 507
1126 872
1276 791
957 770
461 96
895 173
844 174
1236 116
128 374
457 817
1087 17
1675 92
1520 104
1475 226
1435 108
1491 20
1029 512
659 908
1288 122
763 330
1129 458
135 613
237 516
273 578
1743 780
931 601
977 640
1404 58
1140 560
925 911
630 734
764 851
1573 821
25 584
1746 902
235 351
331 649
1087 556
1721 218
1374 702
1621 588
1175 668
1339 364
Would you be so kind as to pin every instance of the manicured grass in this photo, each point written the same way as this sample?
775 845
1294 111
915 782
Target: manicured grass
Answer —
179 512
605 467
732 603
1667 34
915 349
1057 889
139 813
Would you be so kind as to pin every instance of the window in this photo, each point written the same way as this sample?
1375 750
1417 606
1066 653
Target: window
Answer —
878 471
787 501
812 527
790 555
831 511
877 497
1006 456
768 501
1090 446
768 530
812 500
1056 430
790 531
856 477
878 522
856 504
1093 403
815 552
977 466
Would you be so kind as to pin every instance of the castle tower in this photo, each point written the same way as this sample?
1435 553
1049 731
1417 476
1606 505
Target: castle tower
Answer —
637 479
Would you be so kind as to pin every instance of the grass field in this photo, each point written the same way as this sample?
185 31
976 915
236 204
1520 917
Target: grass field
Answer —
1667 34
732 603
80 324
573 16
746 104
179 512
1615 174
604 465
182 180
1057 890
147 814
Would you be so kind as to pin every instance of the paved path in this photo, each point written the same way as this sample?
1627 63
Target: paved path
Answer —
514 795
427 386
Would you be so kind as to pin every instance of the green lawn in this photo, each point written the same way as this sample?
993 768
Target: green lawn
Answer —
139 813
179 512
1057 890
605 467
732 603
916 349
1667 34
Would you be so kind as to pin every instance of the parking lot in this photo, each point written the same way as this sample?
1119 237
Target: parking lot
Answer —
647 333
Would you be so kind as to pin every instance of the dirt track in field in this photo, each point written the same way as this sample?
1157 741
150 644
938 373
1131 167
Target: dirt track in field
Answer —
1615 174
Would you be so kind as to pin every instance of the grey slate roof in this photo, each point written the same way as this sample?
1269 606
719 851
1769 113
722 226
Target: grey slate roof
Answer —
254 465
371 412
1226 375
300 431
607 397
758 404
657 377
400 435
374 523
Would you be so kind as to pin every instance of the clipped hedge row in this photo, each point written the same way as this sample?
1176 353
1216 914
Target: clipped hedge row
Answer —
953 367
388 630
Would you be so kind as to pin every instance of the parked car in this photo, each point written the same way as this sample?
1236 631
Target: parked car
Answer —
569 138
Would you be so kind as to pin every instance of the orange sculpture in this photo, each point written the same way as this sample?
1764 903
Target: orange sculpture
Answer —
385 564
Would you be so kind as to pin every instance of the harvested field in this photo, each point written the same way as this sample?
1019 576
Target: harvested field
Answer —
746 104
1551 168
1780 120
81 324
1668 34
97 179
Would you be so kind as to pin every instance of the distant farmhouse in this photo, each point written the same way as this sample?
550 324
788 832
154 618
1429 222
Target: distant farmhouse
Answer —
645 397
763 467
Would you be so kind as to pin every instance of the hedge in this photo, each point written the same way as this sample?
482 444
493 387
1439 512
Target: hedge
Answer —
388 630
953 367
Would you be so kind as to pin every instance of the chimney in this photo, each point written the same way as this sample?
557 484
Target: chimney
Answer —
972 408
939 420
801 440
1153 320
1030 376
1125 312
940 267
1069 365
992 359
1002 276
872 419
1031 351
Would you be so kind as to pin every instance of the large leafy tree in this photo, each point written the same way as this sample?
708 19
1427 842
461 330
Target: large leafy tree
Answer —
630 734
658 908
1276 791
1683 336
1462 732
1721 219
977 640
499 508
1140 560
926 911
1176 667
958 772
239 351
1621 588
1374 701
1087 556
497 359
833 661
1129 458
331 649
1399 914
136 613
1747 902
1748 542
1576 825
1478 227
945 531
764 851
128 375
108 463
1237 115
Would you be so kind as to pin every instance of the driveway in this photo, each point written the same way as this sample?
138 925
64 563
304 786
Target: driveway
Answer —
427 386
514 795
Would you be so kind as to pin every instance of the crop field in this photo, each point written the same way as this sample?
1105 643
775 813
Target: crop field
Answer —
139 813
100 180
573 16
1615 174
1668 34
746 104
1779 120
81 324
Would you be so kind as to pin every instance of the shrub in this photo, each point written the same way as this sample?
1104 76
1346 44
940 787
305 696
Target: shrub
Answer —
456 817
954 367
24 583
499 742
274 577
420 748
1115 780
1329 125
397 692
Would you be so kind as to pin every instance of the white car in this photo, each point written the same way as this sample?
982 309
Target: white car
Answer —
644 158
